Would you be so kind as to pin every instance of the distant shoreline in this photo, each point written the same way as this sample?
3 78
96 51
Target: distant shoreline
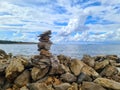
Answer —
15 42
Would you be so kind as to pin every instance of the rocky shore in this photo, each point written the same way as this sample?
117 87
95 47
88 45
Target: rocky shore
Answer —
50 72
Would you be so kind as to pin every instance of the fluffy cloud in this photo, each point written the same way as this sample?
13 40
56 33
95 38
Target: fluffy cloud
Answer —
69 20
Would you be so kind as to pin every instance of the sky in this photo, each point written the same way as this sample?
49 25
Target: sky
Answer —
71 21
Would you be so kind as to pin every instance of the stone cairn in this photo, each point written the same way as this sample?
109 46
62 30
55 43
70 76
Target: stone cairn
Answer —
58 72
45 44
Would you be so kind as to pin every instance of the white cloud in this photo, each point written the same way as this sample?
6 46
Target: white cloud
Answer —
40 15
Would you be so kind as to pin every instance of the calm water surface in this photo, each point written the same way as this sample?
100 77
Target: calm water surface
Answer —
70 50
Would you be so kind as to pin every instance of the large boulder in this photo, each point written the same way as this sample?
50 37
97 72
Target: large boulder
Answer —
68 77
16 66
108 83
88 60
91 86
109 71
101 65
89 71
76 66
3 54
23 79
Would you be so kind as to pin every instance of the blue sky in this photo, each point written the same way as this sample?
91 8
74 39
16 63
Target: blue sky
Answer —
70 20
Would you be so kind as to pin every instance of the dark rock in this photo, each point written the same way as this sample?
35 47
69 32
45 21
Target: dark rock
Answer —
46 33
118 60
83 77
100 58
68 77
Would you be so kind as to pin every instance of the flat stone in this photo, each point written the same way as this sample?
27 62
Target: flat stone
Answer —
44 45
46 33
63 86
91 86
39 86
108 83
45 53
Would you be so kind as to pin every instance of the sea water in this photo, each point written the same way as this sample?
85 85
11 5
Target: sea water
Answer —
72 50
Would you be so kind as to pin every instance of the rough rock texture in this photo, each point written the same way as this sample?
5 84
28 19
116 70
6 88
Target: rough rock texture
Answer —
108 83
68 77
101 65
39 86
23 79
63 86
16 66
88 60
91 86
76 66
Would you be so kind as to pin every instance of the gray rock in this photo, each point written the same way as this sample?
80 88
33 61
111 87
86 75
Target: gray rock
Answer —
83 77
23 79
68 77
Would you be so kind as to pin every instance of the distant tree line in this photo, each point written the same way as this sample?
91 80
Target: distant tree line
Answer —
15 42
